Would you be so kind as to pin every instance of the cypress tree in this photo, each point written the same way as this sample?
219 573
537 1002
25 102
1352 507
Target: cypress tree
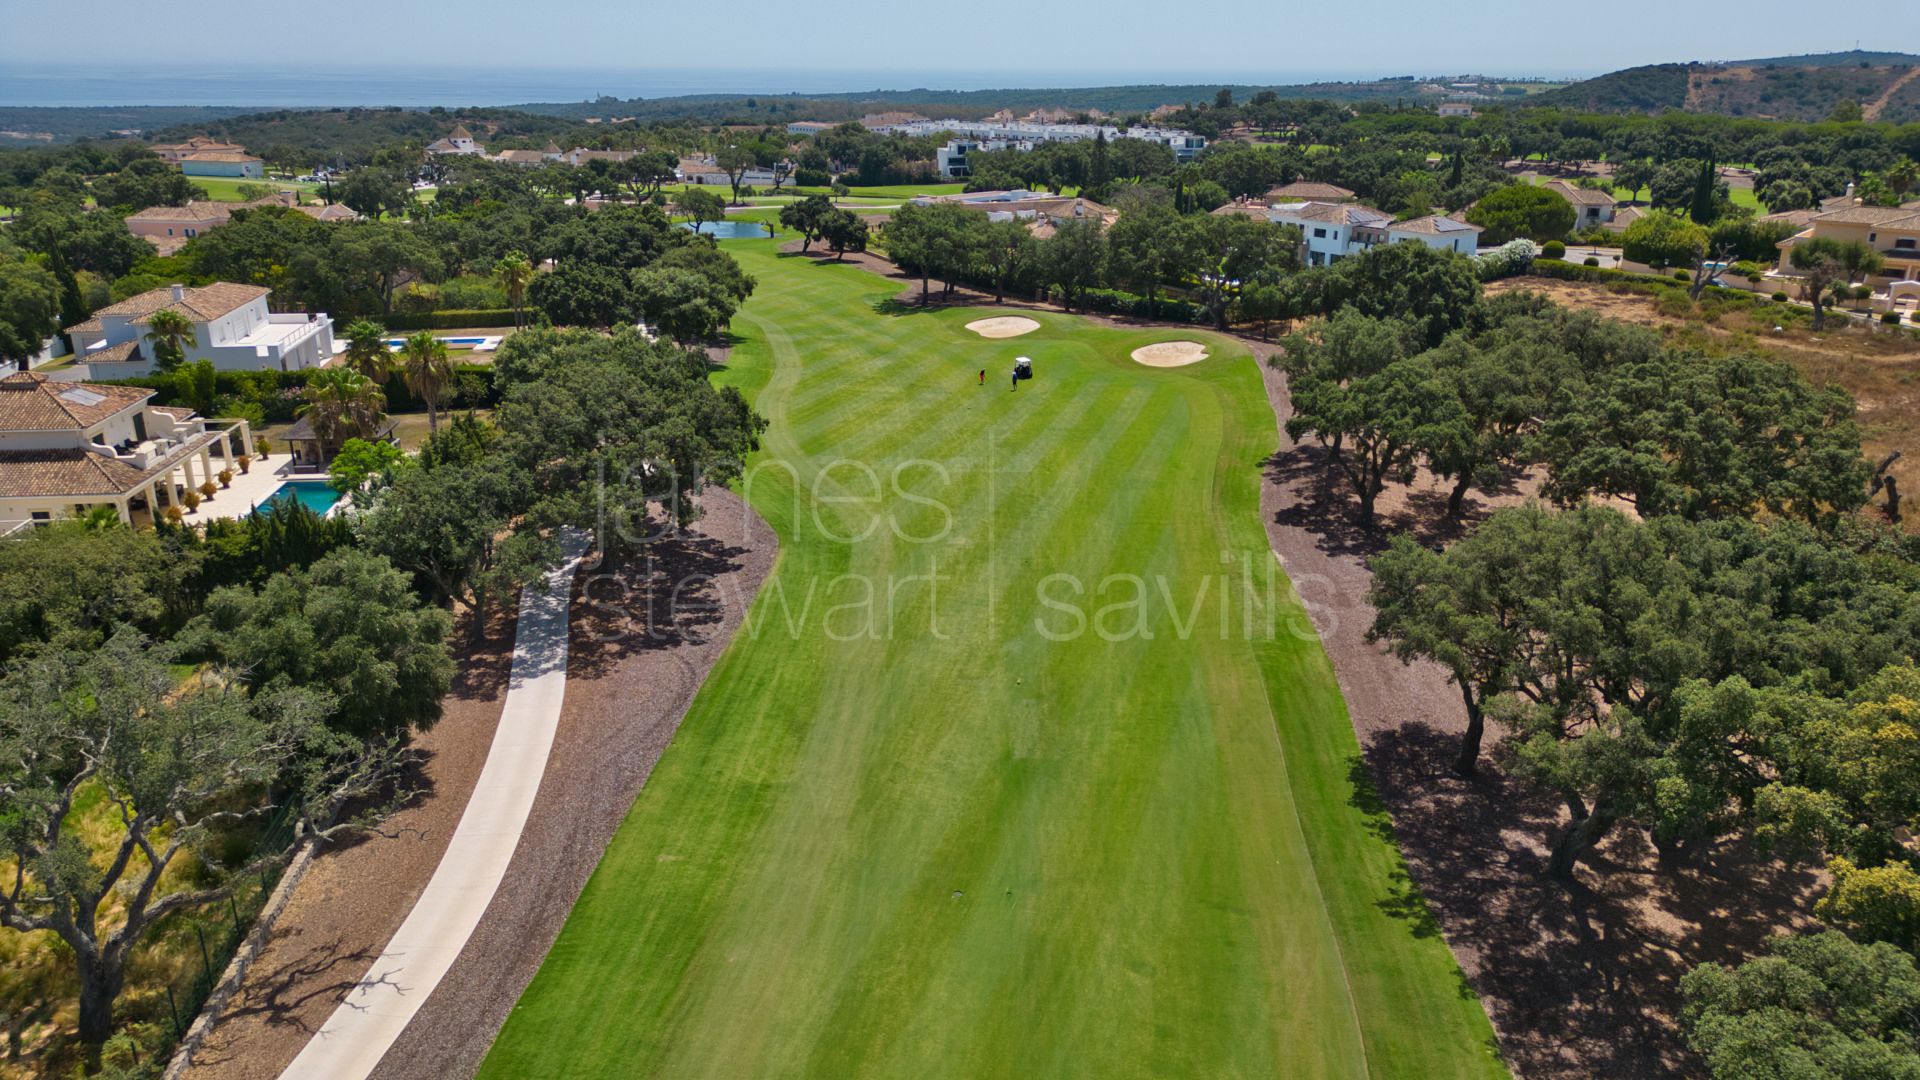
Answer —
1702 210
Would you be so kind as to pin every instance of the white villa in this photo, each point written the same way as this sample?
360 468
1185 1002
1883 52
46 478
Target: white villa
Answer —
175 153
459 142
231 327
551 152
66 448
1330 231
1590 207
1042 212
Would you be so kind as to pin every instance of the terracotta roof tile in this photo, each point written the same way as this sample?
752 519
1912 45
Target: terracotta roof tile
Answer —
77 472
199 304
1308 191
1871 215
1433 225
70 471
220 155
29 401
193 211
1578 195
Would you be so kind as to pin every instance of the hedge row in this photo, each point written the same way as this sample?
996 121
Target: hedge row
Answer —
1649 283
1116 302
277 393
1566 271
443 320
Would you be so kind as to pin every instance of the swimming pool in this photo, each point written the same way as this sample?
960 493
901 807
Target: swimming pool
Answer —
316 495
731 230
456 342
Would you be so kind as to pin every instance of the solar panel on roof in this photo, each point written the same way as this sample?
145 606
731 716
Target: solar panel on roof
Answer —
80 396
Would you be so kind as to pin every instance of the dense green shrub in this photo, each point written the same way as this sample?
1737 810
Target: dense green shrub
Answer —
448 319
276 394
1891 318
1779 298
1590 260
1116 302
1553 249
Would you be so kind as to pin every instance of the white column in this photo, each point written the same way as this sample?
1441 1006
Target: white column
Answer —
206 464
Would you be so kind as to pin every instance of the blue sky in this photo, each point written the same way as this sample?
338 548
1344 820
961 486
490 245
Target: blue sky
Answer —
813 45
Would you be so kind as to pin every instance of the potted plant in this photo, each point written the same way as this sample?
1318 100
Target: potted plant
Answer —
260 448
226 478
190 499
208 488
244 461
172 515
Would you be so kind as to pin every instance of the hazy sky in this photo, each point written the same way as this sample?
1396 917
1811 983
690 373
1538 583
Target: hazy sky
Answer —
814 45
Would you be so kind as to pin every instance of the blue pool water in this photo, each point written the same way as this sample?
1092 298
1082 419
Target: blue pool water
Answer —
461 342
315 495
731 230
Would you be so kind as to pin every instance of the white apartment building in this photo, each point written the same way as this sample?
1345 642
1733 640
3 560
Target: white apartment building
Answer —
976 135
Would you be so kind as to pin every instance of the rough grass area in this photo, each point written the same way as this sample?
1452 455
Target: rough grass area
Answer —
996 781
1878 365
168 973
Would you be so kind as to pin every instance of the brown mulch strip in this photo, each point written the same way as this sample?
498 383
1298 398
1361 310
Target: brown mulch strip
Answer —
632 670
355 895
634 666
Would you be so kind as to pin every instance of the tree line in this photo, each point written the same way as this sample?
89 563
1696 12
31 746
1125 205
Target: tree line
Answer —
206 682
1694 636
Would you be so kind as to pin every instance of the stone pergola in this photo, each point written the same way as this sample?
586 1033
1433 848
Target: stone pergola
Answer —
184 469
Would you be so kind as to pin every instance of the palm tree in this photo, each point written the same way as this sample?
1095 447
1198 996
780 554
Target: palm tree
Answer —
168 332
428 371
515 273
342 404
367 351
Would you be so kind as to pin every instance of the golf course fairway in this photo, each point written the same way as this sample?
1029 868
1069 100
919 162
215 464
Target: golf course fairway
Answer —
1027 763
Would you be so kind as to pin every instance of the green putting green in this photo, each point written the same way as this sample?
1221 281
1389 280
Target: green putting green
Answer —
954 803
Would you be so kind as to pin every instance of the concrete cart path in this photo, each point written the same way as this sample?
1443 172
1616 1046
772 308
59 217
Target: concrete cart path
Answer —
377 1009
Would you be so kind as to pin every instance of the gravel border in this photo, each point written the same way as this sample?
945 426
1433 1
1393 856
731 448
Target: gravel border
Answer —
1578 982
625 700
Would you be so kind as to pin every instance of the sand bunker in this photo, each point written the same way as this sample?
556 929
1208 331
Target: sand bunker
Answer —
1005 326
1171 354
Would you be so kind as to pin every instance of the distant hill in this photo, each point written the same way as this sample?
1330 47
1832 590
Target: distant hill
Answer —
30 125
969 104
1885 84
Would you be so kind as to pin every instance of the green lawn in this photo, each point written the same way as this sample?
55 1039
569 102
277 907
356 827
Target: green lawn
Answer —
911 834
227 189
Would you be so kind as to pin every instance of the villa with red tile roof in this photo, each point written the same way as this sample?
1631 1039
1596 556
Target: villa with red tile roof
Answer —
169 227
199 144
66 448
